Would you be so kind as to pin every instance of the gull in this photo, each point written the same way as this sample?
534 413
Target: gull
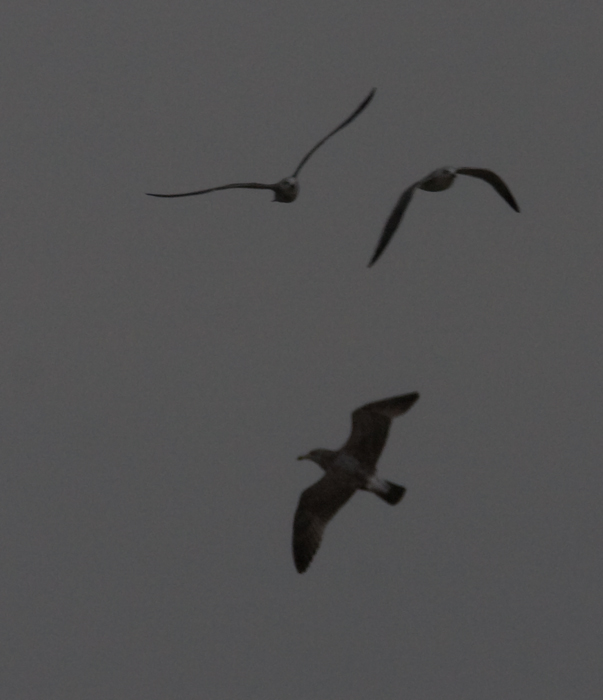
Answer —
287 189
351 468
437 181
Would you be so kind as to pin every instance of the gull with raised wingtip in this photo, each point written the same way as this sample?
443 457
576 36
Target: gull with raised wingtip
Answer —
351 468
437 181
287 189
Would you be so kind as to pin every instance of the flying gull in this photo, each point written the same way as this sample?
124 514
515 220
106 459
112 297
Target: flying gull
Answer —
437 181
351 468
287 189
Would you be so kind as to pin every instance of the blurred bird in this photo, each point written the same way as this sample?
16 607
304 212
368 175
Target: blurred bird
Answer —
351 468
287 189
437 181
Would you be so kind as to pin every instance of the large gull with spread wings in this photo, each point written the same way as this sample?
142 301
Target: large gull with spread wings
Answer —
351 468
287 189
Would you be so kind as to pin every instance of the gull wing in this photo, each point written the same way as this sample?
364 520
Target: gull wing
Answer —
370 427
492 179
351 118
249 185
317 505
393 407
393 222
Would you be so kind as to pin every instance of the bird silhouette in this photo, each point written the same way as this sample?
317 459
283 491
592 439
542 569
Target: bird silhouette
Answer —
287 189
437 181
351 468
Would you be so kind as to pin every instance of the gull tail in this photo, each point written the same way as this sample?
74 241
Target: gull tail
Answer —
390 493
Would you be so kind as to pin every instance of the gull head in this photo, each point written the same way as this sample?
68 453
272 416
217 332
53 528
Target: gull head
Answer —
286 190
438 180
324 458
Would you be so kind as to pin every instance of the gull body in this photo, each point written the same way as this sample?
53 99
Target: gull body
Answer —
347 470
287 189
436 181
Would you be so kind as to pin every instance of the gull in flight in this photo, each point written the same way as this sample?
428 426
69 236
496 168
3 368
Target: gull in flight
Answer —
351 468
287 189
437 181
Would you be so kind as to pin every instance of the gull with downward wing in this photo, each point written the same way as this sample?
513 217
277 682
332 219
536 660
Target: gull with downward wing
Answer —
437 181
351 468
287 189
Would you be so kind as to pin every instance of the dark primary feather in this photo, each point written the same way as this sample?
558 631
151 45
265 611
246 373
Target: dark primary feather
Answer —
317 505
394 406
492 179
250 185
393 222
343 124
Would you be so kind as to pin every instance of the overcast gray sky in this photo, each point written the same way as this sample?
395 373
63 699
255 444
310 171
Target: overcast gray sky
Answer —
163 362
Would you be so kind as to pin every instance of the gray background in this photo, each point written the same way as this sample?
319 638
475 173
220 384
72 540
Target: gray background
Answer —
163 362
